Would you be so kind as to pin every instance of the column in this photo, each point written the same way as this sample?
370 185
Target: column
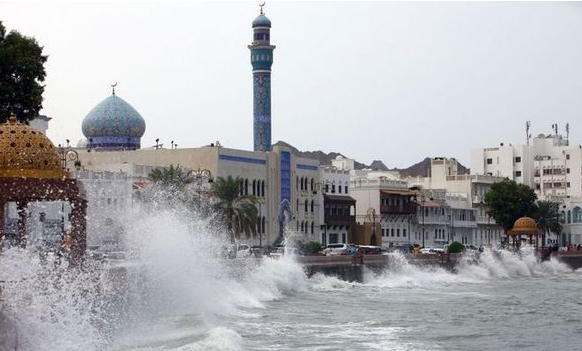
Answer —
78 228
21 209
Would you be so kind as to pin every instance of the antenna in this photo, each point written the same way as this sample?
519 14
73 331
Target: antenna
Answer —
527 134
567 133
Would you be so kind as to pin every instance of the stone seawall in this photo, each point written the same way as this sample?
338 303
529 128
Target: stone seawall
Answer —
350 269
347 268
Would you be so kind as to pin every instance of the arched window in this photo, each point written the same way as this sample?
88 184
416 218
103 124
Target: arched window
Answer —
339 188
297 226
242 187
569 217
262 188
327 187
312 227
263 220
297 209
346 188
297 182
312 205
246 186
254 187
577 215
305 205
563 217
302 226
312 184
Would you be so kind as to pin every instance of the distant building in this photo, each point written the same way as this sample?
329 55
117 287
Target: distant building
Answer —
548 164
338 218
465 214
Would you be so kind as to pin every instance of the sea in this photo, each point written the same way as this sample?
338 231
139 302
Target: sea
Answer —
174 291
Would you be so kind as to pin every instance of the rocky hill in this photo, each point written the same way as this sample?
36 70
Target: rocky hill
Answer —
418 169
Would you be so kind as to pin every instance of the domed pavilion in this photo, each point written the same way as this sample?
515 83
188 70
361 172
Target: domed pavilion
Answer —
113 125
525 226
31 170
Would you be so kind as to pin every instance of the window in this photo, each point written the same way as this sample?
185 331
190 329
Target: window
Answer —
567 156
567 170
254 187
577 215
345 189
489 161
568 184
517 159
339 189
398 232
312 184
404 232
333 188
383 232
312 205
312 227
392 232
305 205
518 173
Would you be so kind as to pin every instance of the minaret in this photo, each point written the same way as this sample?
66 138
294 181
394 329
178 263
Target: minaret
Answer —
262 59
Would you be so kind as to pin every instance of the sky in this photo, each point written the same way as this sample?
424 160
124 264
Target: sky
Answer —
394 81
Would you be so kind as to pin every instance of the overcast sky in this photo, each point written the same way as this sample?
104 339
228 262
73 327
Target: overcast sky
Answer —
374 80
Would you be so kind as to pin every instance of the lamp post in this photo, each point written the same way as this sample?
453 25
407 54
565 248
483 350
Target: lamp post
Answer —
198 176
317 187
68 154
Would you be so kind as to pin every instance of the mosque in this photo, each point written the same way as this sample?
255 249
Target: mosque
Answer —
113 131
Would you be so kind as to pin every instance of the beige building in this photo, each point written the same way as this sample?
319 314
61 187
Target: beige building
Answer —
275 177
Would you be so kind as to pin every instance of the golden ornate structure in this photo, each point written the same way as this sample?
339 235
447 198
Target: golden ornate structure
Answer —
525 226
26 152
30 171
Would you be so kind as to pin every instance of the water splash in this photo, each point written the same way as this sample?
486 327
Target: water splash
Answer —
174 292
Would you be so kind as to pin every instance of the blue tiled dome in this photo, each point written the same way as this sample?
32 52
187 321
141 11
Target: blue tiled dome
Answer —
262 21
113 124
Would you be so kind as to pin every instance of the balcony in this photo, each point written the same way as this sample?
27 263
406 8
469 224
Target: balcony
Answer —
395 209
339 219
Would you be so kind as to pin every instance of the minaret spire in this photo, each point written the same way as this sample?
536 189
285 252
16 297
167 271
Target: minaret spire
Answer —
113 88
261 60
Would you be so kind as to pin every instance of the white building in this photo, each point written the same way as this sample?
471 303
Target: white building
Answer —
548 164
463 194
339 208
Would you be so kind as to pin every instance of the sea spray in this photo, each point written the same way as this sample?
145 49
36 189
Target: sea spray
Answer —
175 290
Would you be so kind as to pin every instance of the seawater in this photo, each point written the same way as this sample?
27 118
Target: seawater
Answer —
175 293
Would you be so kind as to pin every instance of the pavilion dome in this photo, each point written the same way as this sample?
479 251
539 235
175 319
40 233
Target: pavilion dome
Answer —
113 124
27 153
525 226
261 21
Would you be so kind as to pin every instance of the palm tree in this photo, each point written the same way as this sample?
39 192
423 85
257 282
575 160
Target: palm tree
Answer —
173 178
238 211
548 218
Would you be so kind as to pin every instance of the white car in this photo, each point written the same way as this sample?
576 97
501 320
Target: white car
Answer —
336 249
243 250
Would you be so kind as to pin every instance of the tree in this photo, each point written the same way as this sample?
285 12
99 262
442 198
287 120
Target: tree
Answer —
239 212
507 201
169 178
548 218
21 74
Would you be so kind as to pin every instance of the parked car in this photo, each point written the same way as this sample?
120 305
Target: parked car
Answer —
336 249
243 250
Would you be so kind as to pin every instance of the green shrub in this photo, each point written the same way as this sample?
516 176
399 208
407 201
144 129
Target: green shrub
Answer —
456 247
313 247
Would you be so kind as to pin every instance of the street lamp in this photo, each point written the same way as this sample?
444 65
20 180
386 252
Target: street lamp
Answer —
68 154
198 176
